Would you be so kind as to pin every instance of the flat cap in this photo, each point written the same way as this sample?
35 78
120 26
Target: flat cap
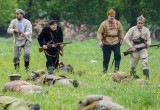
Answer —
20 11
14 77
52 22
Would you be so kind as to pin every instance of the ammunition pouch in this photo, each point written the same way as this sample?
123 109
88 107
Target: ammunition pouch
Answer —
138 41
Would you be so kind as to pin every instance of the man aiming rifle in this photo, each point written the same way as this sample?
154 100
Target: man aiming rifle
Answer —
137 37
47 39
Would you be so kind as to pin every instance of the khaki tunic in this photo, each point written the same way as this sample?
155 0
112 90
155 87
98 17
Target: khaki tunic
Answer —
10 103
26 30
110 29
135 33
22 86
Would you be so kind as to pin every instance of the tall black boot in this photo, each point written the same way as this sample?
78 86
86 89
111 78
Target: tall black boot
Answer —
26 64
105 67
146 73
116 68
16 67
50 69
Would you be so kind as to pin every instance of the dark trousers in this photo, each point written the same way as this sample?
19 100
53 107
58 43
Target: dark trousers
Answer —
107 49
52 61
52 58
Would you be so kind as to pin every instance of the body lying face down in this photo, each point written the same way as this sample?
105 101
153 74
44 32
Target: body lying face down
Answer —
11 103
98 102
17 85
42 77
126 78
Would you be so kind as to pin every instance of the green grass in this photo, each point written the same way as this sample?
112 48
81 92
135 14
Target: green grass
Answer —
78 54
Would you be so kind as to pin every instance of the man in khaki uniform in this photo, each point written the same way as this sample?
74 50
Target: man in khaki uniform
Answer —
11 103
138 36
42 77
110 36
21 29
98 102
17 85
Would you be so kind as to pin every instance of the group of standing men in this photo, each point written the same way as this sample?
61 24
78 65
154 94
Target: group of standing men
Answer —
21 29
110 35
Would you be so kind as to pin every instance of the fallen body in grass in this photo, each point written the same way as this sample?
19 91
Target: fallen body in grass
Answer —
98 102
41 77
17 85
69 69
127 78
11 103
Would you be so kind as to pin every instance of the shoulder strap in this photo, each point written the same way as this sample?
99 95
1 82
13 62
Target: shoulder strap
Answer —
53 37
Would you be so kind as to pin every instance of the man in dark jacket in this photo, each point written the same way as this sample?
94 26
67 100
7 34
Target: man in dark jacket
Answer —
51 34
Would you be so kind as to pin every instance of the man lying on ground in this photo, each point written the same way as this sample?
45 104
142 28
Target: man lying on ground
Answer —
98 102
41 76
11 103
17 85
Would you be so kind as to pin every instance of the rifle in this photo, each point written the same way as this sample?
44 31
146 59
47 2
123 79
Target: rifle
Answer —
20 33
138 49
56 44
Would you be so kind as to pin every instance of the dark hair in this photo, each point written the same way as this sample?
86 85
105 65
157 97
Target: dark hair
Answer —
52 22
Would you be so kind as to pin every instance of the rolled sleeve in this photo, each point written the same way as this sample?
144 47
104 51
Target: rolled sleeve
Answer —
28 31
10 29
148 37
100 31
128 36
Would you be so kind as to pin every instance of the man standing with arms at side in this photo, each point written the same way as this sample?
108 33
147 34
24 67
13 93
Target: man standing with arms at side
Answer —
110 36
21 29
51 34
138 36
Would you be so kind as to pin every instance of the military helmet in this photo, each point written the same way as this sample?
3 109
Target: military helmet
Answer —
14 77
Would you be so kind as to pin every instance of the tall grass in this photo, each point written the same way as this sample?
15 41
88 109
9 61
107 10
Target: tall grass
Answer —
79 54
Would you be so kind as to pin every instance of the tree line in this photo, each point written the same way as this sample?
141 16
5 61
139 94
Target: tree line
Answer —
77 12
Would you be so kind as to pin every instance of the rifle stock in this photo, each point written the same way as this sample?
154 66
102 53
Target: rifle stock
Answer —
50 45
138 49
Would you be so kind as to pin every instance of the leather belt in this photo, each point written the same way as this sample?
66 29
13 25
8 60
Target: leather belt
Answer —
111 35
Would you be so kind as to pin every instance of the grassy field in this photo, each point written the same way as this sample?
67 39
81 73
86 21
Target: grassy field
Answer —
79 54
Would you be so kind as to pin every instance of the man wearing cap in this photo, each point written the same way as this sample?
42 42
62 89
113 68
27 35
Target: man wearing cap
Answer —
138 36
110 36
17 85
21 29
51 34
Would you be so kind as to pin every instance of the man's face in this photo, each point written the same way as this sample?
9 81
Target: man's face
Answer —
19 16
53 26
111 18
140 24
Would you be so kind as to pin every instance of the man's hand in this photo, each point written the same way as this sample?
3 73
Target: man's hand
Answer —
133 49
148 46
53 45
45 47
16 30
100 44
121 41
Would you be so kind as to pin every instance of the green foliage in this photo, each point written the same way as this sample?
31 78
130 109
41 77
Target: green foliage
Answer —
83 11
7 11
78 54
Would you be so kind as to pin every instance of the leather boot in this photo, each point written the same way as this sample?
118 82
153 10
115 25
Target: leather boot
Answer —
50 69
26 64
146 73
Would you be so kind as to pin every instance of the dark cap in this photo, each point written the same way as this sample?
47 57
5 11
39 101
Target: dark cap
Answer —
14 77
52 22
